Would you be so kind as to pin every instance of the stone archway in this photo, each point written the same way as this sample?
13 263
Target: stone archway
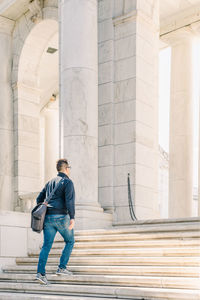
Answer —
35 80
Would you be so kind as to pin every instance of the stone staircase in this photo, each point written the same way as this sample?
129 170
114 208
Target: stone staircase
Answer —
150 260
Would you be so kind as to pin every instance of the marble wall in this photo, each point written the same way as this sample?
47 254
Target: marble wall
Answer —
106 105
128 103
16 237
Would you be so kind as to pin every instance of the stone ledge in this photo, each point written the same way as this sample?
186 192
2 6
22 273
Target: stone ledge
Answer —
16 219
178 221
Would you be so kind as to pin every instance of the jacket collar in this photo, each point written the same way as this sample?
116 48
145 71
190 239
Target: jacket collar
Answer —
61 174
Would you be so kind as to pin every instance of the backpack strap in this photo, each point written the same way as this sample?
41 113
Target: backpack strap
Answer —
46 201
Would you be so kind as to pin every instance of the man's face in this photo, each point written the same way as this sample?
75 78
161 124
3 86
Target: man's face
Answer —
68 171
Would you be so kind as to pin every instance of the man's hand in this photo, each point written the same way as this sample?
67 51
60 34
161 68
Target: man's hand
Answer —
71 226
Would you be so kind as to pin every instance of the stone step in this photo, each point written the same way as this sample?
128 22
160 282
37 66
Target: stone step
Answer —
110 280
135 236
133 244
151 226
117 270
120 260
160 222
150 252
102 291
28 296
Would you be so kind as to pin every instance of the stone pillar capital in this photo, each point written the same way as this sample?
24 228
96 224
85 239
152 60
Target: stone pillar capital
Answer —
51 106
178 36
139 10
6 25
35 8
195 27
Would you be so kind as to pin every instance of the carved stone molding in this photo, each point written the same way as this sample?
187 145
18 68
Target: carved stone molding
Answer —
26 202
35 7
178 36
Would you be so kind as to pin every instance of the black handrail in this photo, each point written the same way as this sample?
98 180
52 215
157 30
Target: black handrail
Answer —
130 202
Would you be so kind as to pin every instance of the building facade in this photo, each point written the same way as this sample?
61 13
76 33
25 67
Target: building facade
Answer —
79 79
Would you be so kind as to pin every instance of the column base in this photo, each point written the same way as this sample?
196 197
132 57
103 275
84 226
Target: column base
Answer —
92 217
121 215
88 216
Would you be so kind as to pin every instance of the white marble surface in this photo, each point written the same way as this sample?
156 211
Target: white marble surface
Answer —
16 236
6 116
106 104
79 94
181 124
79 104
30 41
80 18
51 142
135 109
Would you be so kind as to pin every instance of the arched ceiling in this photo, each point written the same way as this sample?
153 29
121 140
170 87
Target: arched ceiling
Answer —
37 68
48 76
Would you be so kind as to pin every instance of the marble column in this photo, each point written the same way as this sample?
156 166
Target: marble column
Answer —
195 27
51 140
79 100
199 170
6 116
181 126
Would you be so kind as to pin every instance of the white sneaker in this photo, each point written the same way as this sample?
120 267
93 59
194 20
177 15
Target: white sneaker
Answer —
63 272
42 279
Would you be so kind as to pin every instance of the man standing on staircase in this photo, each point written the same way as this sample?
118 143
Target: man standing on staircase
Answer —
59 217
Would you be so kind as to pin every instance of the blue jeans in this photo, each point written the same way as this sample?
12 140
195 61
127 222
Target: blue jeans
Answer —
52 224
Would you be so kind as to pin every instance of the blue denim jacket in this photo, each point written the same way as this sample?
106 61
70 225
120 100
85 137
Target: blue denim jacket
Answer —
63 201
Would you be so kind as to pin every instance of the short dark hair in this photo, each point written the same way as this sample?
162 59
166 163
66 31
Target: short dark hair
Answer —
62 162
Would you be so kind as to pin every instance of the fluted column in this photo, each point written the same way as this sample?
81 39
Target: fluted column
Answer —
181 126
6 116
79 101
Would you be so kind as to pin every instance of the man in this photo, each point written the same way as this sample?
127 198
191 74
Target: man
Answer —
59 217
